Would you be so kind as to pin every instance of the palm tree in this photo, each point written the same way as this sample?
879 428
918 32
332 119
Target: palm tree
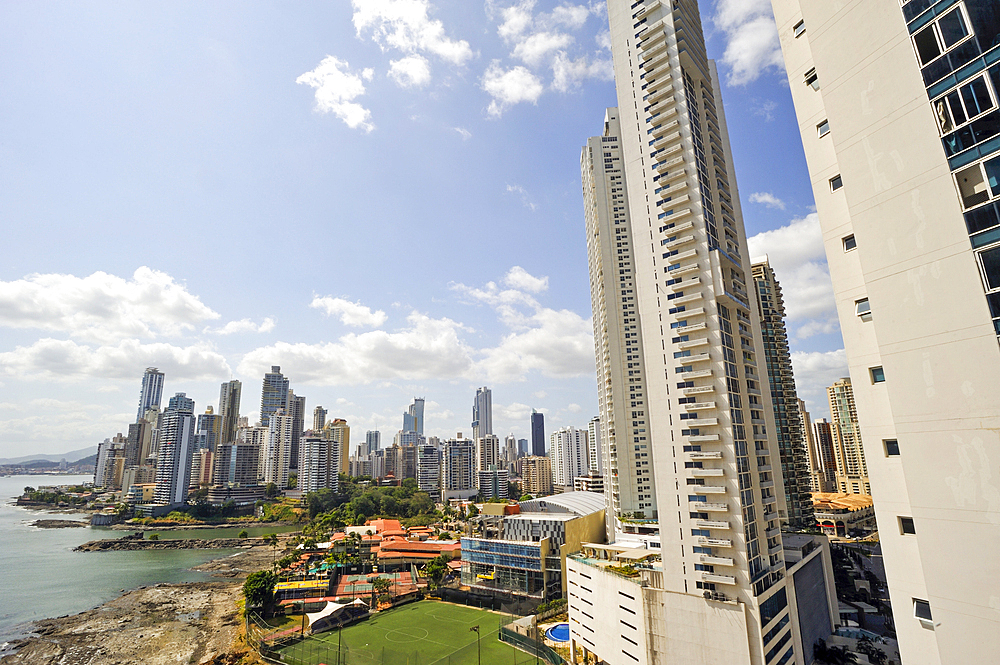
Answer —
833 655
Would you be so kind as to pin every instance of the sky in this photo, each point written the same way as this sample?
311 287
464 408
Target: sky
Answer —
382 197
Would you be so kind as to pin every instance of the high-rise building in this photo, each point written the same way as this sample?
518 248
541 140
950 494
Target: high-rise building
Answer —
537 433
296 408
338 430
236 465
458 470
509 453
482 413
493 483
429 470
278 449
487 452
319 419
319 463
210 423
822 459
536 475
618 335
568 452
273 394
413 419
897 108
176 449
788 428
848 453
138 443
716 557
523 449
229 409
372 441
595 460
151 392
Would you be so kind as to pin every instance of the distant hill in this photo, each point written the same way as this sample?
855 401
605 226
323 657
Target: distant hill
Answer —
71 457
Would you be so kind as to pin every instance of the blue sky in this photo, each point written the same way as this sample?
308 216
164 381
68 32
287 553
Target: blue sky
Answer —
381 196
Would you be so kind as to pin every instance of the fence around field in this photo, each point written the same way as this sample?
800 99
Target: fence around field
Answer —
532 647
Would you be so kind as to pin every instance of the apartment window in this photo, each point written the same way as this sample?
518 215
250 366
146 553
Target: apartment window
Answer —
989 262
850 243
812 79
823 128
863 309
799 28
906 526
836 182
962 105
979 182
891 447
940 36
878 375
922 610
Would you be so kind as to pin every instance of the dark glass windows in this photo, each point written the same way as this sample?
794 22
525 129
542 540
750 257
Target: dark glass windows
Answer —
989 259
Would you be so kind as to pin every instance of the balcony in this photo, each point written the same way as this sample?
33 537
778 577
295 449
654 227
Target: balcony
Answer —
774 550
708 454
703 438
707 473
769 499
773 533
700 374
699 406
652 46
709 507
687 254
691 344
697 390
700 422
694 327
706 489
714 542
691 297
766 483
711 524
697 358
716 560
673 175
718 579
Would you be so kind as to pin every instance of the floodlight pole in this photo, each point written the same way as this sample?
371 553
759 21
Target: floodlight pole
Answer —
479 652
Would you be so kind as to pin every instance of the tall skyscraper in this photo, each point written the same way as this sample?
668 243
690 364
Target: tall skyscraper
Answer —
296 408
151 392
509 453
319 419
784 400
537 434
822 459
413 419
319 463
429 470
338 430
458 470
229 409
210 423
482 413
595 460
897 108
278 449
680 256
372 441
848 453
487 452
176 449
536 475
273 394
568 452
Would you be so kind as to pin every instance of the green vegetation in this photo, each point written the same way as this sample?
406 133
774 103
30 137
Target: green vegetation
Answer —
436 569
626 571
154 536
551 605
243 534
833 655
258 589
283 511
356 502
58 497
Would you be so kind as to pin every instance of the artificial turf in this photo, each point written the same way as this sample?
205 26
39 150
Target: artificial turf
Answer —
420 633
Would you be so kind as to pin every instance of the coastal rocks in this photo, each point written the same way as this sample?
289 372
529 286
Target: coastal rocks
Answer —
58 524
134 544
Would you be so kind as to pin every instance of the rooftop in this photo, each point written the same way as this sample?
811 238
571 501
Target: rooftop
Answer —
578 503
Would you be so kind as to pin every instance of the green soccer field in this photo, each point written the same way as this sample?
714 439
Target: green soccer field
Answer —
421 633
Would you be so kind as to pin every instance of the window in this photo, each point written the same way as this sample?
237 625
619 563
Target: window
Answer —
922 610
963 104
812 79
891 447
906 526
799 28
863 309
836 182
940 36
878 375
823 128
989 261
850 243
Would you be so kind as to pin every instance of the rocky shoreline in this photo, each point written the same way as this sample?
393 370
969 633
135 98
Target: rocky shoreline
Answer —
135 544
162 624
59 524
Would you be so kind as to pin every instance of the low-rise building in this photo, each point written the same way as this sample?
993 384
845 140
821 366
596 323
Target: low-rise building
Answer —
843 514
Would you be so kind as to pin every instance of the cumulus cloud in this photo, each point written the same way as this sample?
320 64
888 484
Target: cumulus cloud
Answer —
337 88
102 307
795 252
511 412
413 71
510 86
54 359
350 313
768 199
406 25
568 74
428 349
814 372
463 132
752 46
534 49
519 278
244 326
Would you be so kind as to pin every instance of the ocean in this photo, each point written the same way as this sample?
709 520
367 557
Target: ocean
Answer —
42 577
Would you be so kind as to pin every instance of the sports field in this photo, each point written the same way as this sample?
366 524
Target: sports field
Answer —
420 633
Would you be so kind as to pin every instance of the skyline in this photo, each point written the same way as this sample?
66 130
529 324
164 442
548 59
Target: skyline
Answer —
178 204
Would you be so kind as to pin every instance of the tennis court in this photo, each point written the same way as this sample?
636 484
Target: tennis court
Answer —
420 633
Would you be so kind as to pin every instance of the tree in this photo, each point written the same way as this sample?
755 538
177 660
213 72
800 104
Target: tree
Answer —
271 490
259 589
242 534
526 497
875 655
436 569
154 536
272 540
473 511
833 655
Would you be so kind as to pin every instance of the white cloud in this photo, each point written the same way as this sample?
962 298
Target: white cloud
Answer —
53 359
535 48
244 326
337 88
350 313
509 87
768 199
511 412
515 20
572 16
814 372
407 26
795 252
519 278
428 349
752 46
574 408
413 71
523 193
568 74
102 307
463 132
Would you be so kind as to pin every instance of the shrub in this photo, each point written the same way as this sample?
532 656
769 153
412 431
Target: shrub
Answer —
154 536
243 534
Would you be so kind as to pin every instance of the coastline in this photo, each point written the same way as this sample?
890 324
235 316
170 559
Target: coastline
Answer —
194 622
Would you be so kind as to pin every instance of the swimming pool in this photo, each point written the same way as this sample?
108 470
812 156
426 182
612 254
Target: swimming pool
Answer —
558 632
